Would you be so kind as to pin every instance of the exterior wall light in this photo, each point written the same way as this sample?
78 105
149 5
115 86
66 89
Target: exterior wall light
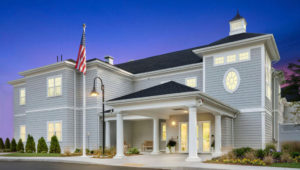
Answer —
173 123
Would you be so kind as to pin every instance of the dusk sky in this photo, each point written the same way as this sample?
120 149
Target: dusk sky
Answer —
33 33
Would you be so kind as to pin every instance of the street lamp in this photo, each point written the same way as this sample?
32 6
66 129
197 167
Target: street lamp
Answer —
95 93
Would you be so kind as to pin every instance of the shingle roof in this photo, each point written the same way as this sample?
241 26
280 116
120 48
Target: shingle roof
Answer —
162 89
237 17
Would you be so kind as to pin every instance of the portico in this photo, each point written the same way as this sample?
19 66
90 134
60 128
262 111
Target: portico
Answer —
190 109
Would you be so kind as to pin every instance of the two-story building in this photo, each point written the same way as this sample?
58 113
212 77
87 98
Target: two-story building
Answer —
209 99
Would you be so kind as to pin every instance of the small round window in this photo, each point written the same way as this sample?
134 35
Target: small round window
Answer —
231 80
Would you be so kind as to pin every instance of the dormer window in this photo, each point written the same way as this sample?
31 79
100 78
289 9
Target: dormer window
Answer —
237 24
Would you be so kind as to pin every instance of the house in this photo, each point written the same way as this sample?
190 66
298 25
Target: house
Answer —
209 99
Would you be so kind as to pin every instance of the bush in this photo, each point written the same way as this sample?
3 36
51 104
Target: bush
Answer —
250 155
270 148
240 152
260 154
30 145
276 155
133 151
1 144
286 158
268 160
42 146
7 144
77 150
54 145
13 145
20 146
294 154
290 146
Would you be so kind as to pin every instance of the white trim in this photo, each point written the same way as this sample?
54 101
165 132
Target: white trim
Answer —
185 81
263 130
55 121
74 111
203 74
263 81
19 115
54 85
247 110
59 108
238 80
129 117
50 71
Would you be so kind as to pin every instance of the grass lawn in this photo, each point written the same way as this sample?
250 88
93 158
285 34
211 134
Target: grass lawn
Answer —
32 154
286 165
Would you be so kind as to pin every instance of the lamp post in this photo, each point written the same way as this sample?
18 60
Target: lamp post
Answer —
95 93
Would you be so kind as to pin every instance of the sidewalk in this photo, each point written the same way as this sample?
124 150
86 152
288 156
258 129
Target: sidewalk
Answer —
174 161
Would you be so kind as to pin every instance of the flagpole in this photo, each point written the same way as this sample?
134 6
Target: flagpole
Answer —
83 112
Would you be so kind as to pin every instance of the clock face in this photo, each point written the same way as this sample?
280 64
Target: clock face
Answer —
231 80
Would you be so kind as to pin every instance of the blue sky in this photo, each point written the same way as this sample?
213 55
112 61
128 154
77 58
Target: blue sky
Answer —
33 33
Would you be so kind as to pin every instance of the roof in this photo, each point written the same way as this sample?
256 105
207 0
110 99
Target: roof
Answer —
237 17
162 89
178 58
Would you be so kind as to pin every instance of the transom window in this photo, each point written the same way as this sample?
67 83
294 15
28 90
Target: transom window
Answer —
54 86
232 58
22 96
244 56
23 133
191 82
231 80
54 128
219 60
163 131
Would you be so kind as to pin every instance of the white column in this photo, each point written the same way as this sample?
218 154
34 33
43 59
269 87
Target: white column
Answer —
107 134
218 137
193 156
83 119
120 137
155 136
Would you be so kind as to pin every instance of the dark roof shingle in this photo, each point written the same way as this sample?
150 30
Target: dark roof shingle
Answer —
162 89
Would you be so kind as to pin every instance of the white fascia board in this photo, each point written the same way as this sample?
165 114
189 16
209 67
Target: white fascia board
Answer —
169 70
109 67
268 39
17 82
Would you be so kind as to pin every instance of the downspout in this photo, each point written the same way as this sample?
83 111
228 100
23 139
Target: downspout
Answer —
74 111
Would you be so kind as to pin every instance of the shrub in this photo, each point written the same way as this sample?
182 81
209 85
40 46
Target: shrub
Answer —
240 152
260 154
67 152
294 154
20 146
77 150
292 146
1 144
250 155
171 143
133 151
13 145
276 155
270 148
286 158
268 160
230 155
30 145
54 145
7 144
42 146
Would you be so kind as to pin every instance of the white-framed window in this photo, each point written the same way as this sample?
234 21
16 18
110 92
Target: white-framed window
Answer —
54 86
191 82
231 80
268 77
163 131
244 56
23 133
231 58
22 96
219 60
54 128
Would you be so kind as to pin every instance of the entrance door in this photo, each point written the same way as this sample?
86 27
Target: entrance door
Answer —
183 136
203 136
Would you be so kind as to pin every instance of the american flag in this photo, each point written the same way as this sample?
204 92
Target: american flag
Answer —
81 59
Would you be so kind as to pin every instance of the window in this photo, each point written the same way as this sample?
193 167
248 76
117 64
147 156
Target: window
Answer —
231 80
55 128
231 58
54 86
268 78
219 60
23 133
22 97
163 131
191 82
244 56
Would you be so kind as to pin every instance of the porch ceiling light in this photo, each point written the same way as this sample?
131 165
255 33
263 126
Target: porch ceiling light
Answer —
173 123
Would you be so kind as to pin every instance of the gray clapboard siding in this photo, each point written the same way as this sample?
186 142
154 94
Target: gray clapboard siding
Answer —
178 77
268 128
226 124
19 109
18 121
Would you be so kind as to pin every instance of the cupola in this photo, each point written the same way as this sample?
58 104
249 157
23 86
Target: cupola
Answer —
237 24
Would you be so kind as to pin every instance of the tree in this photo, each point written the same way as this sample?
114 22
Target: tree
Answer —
13 145
42 146
20 146
1 144
54 145
30 145
7 144
292 89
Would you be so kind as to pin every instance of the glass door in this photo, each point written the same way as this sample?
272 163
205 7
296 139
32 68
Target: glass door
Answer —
203 136
183 144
